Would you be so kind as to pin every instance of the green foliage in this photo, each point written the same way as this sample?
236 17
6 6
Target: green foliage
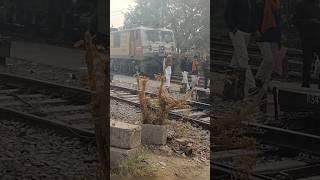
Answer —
145 13
189 19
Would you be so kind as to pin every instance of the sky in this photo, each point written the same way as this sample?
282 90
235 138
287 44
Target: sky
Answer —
117 8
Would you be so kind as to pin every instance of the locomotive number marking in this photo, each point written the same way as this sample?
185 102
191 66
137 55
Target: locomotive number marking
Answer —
314 100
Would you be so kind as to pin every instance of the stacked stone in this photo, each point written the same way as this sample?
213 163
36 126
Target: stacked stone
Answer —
125 140
154 134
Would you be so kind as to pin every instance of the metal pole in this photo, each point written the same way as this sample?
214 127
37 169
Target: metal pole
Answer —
161 12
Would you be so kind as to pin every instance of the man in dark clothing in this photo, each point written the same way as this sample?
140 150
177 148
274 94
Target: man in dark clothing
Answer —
206 71
307 19
240 18
240 15
184 66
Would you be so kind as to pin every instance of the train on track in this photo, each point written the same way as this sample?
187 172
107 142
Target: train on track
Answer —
140 49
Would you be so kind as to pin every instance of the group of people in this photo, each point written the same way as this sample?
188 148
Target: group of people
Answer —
262 20
246 18
188 66
193 68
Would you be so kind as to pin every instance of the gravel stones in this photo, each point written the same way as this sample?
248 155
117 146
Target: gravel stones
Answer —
124 112
43 72
34 153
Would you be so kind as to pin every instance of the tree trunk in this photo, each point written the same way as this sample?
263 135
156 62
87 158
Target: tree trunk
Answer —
98 66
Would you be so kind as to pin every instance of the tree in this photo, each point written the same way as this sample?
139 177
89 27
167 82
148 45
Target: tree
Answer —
146 13
189 19
98 75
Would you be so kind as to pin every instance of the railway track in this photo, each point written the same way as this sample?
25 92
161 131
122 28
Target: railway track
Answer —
37 127
61 107
177 79
280 154
199 112
222 51
65 108
272 161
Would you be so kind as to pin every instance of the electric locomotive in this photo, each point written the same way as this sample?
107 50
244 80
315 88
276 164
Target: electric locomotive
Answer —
140 49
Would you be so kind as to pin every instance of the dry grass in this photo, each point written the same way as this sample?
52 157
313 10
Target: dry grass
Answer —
155 111
136 166
145 104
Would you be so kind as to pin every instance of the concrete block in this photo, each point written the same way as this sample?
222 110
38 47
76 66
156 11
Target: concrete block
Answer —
154 134
124 135
117 155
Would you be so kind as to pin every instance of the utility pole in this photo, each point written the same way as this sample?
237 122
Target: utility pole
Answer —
161 12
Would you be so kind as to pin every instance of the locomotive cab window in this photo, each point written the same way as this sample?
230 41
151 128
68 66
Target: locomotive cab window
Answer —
166 36
153 35
116 40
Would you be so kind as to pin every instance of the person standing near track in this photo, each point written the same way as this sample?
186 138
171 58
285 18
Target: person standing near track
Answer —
240 18
184 71
206 71
307 19
167 67
194 72
269 38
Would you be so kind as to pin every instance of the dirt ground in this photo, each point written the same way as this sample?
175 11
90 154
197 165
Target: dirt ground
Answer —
172 167
181 168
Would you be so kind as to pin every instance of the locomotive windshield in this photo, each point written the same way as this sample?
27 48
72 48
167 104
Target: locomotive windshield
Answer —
153 35
166 36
